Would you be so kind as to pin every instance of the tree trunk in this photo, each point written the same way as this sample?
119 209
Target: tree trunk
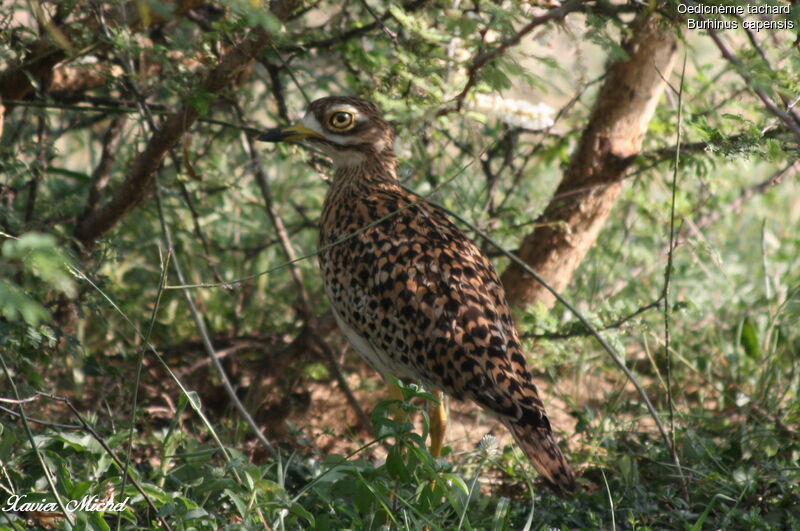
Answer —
592 182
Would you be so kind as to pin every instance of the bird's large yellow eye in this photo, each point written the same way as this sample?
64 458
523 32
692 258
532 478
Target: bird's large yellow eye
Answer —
341 120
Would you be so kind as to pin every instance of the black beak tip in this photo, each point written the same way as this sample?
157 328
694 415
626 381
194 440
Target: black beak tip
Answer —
272 135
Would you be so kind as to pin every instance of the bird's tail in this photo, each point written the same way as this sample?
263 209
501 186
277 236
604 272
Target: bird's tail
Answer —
543 452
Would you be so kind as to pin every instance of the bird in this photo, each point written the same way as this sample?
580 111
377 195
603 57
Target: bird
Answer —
416 298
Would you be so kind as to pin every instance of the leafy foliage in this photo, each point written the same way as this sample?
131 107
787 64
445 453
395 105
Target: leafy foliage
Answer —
102 323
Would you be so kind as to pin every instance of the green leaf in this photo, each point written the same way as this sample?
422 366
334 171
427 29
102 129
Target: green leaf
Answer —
749 339
300 511
80 489
98 522
194 514
64 478
698 525
241 505
41 256
14 304
457 482
501 514
155 493
364 498
192 398
396 465
734 117
201 101
7 442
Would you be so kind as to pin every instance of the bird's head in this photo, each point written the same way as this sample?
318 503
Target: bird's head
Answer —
349 130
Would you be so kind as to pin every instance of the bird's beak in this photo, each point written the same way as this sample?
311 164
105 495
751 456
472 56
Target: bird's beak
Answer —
295 133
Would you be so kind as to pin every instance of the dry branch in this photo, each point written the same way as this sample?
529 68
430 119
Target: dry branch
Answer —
482 59
139 181
593 180
36 68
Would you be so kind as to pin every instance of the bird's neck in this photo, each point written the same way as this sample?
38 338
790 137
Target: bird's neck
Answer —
351 183
365 171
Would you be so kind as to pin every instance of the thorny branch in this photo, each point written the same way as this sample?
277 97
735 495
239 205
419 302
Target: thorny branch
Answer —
483 58
656 304
61 42
693 227
139 181
790 119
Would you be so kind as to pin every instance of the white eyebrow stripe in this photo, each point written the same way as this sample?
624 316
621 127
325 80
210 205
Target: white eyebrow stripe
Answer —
346 108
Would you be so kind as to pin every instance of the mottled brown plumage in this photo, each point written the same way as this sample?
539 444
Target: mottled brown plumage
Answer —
414 295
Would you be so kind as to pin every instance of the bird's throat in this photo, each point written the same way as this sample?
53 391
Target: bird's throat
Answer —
365 170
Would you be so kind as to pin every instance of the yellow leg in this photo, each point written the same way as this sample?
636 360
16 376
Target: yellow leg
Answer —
438 424
438 417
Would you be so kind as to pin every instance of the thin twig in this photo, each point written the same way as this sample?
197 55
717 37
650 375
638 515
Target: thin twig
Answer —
483 58
277 222
198 231
354 32
18 400
48 474
102 172
343 385
668 276
123 466
788 119
110 105
36 173
615 324
138 377
379 21
47 423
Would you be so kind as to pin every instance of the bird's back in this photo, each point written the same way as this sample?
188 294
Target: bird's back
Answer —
420 301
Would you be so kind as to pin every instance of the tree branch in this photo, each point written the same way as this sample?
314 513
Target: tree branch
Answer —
20 78
789 119
483 58
139 181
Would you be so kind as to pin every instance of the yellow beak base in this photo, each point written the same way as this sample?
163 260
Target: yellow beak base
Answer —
296 133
